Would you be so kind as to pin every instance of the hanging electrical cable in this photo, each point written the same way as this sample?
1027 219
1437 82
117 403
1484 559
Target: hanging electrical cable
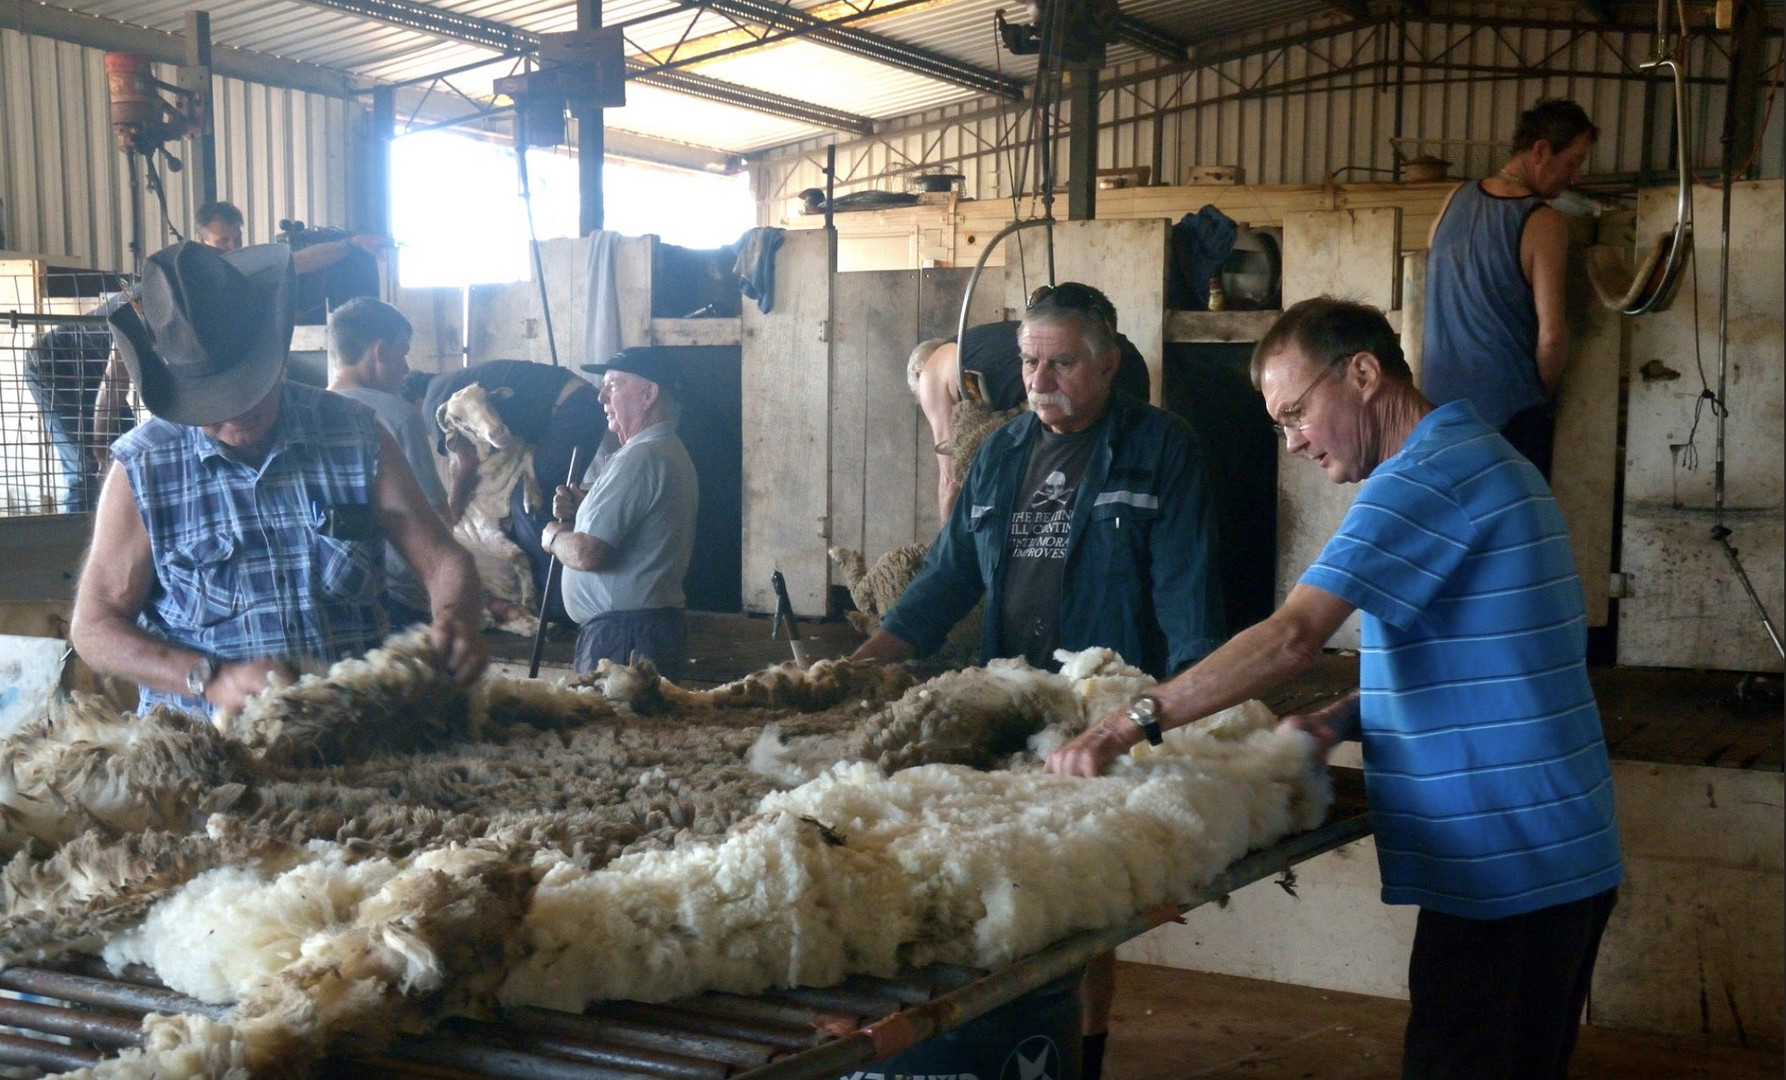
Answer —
533 239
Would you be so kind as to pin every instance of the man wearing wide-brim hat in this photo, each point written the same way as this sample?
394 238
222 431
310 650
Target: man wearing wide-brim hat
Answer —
240 534
634 533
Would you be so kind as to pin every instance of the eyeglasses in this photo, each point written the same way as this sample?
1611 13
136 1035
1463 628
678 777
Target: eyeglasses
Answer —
1290 418
1072 296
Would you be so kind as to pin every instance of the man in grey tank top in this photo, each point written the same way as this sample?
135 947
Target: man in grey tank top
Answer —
1496 332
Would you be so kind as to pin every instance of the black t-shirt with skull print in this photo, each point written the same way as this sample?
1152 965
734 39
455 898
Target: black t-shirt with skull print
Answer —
1036 550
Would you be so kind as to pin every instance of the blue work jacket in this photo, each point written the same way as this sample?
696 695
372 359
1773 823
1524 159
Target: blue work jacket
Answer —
1141 561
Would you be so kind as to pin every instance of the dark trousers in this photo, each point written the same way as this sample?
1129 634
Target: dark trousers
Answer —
1532 432
1501 999
68 421
659 635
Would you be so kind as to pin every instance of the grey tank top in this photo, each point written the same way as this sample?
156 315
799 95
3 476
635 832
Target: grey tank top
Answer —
1481 341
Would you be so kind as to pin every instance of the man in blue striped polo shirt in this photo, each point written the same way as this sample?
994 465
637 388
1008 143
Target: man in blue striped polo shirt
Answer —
1490 791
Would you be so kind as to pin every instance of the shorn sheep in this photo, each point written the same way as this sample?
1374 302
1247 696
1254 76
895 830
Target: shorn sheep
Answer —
331 869
504 460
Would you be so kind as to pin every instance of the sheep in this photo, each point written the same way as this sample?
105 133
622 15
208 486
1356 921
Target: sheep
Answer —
874 589
504 460
970 423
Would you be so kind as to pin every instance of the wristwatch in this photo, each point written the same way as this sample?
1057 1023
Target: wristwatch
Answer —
1145 713
199 676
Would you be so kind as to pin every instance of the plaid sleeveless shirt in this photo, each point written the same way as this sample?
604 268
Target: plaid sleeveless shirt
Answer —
244 565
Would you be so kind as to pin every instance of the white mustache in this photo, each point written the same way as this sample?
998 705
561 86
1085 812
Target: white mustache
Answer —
1057 400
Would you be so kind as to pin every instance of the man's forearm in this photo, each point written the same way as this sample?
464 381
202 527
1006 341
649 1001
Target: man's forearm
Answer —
1553 356
453 585
884 648
578 551
115 646
1253 662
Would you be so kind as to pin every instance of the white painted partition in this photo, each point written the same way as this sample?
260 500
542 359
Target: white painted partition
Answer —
1686 607
787 428
1695 946
1355 254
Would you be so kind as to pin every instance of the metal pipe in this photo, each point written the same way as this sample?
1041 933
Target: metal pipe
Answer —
500 1062
56 1057
106 993
582 1047
1682 239
973 279
760 1010
711 1047
107 1029
841 999
777 1035
1722 535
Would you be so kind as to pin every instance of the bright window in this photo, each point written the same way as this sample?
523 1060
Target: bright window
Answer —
684 207
458 219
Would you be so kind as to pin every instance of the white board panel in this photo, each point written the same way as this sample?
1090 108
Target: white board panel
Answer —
1686 608
1355 254
787 429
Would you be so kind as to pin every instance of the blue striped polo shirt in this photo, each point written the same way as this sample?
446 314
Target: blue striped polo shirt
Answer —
243 568
1489 785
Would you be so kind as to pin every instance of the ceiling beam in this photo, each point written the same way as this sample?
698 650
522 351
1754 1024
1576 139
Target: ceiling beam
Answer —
883 50
744 97
504 38
1147 36
76 28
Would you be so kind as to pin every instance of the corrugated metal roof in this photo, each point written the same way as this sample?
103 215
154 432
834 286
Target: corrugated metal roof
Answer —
801 68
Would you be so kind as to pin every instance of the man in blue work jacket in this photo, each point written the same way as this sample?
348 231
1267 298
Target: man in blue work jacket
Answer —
1085 522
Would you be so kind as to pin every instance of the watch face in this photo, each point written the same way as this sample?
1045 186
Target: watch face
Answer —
198 677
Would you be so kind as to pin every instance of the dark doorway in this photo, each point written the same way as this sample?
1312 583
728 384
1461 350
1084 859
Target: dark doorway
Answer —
1208 384
712 429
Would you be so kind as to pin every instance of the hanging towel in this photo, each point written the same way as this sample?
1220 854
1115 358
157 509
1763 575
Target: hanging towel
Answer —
756 265
601 315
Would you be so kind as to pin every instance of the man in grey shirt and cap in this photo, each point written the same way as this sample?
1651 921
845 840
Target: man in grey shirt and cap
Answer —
634 533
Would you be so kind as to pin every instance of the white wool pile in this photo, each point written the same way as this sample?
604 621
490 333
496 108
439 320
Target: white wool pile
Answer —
333 947
229 927
779 903
859 872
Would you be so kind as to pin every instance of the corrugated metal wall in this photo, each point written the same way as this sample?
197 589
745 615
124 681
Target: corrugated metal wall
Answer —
1296 112
280 154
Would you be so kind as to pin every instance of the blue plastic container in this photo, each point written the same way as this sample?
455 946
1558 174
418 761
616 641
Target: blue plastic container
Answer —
1035 1037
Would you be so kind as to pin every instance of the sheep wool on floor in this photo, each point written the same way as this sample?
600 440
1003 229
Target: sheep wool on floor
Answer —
331 868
